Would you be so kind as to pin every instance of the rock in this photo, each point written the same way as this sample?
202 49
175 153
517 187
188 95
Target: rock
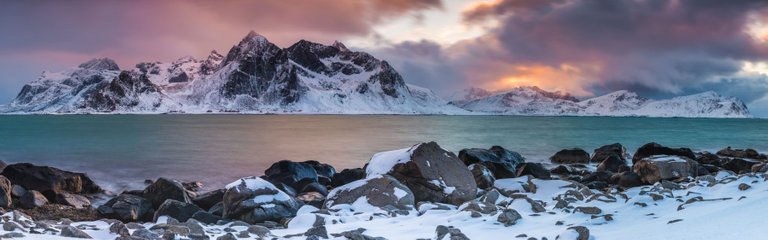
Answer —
260 231
120 229
574 233
432 173
324 171
739 165
535 170
73 232
48 180
650 149
741 153
217 209
314 187
449 233
629 180
662 167
612 163
606 151
316 232
32 199
598 176
588 210
509 217
178 210
760 168
6 188
127 208
293 174
12 235
206 217
253 200
143 233
17 191
744 186
193 186
228 236
570 156
73 200
312 198
479 206
207 200
563 170
380 191
709 158
501 162
164 189
347 176
483 176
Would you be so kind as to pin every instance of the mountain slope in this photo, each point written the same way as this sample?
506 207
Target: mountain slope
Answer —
534 101
255 76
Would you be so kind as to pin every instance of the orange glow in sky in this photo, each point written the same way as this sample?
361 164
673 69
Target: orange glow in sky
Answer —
567 78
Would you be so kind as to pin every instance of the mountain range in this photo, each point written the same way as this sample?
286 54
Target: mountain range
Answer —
256 76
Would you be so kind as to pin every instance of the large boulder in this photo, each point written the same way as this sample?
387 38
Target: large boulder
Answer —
380 191
570 156
536 170
127 208
208 199
739 165
5 192
177 210
502 162
665 167
293 174
483 176
74 200
347 176
606 151
48 180
612 163
324 171
741 153
650 149
33 199
254 200
164 189
432 173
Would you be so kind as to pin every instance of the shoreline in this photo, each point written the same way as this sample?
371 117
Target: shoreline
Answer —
305 198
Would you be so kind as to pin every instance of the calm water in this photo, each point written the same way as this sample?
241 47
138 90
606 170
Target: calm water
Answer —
122 150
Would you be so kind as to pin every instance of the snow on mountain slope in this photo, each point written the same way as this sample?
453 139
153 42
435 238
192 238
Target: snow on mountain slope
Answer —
255 76
534 101
467 95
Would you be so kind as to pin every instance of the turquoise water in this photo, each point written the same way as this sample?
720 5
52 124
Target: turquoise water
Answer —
120 151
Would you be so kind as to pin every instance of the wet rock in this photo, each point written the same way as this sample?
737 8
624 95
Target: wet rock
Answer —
6 188
206 217
509 217
193 186
293 174
48 180
314 187
432 173
661 167
653 148
563 170
208 199
127 208
380 191
32 199
347 176
73 232
612 163
253 200
500 161
570 156
483 176
164 189
120 229
629 180
536 170
741 153
739 165
709 158
145 234
449 233
601 153
324 171
178 210
73 200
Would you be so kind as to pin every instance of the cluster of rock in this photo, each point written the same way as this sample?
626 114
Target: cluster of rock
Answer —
483 182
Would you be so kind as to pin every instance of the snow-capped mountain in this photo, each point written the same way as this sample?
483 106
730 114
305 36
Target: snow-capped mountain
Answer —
467 95
254 76
534 101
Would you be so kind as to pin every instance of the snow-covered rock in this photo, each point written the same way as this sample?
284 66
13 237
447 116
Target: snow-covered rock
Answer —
368 194
253 200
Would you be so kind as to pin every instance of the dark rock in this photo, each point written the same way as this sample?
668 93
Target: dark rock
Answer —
629 180
260 231
656 168
509 217
564 170
73 200
32 199
314 187
228 236
760 168
127 208
449 233
315 199
650 149
483 176
744 186
434 174
6 188
12 235
255 200
536 170
501 162
583 233
178 210
192 186
119 228
293 174
145 234
741 153
316 232
612 163
347 176
606 151
588 210
48 180
164 189
569 156
17 191
217 209
597 185
206 217
73 232
598 176
479 206
381 191
709 158
207 200
324 171
739 165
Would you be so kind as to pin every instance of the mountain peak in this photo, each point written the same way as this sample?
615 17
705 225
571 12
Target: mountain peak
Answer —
100 64
340 46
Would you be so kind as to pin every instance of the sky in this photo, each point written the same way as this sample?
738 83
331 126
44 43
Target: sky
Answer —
657 48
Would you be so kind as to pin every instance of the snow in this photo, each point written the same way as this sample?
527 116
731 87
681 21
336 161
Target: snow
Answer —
256 183
381 163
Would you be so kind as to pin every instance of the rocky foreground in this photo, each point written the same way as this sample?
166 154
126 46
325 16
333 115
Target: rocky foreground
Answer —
420 192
